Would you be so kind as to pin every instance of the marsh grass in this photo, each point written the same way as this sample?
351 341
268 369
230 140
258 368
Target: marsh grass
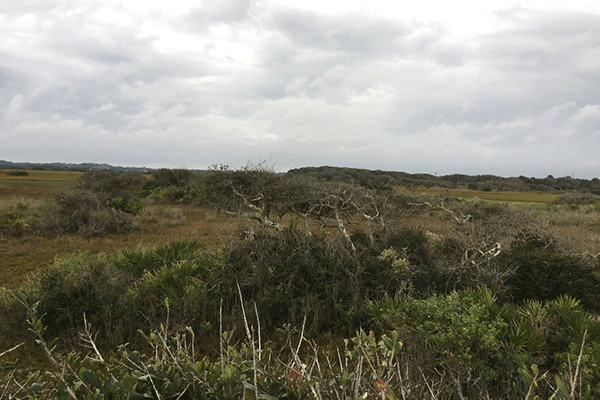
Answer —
41 175
23 257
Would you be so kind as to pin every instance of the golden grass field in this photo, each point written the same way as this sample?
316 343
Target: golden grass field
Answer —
42 175
38 184
524 197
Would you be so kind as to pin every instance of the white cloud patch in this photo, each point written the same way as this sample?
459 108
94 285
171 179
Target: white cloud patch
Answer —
14 108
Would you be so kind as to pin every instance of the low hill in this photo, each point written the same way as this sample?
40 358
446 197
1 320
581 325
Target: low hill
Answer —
475 182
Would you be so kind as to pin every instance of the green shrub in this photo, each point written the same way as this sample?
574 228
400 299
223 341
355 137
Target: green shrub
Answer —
165 177
290 275
18 172
135 262
178 251
17 216
182 286
81 212
461 332
77 285
13 323
108 185
14 223
117 190
542 272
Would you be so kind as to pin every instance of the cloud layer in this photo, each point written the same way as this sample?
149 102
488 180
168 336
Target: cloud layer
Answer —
506 91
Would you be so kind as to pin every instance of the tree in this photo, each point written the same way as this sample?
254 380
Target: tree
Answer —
260 194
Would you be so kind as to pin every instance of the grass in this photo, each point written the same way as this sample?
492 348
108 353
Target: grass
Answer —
38 184
522 197
42 175
23 257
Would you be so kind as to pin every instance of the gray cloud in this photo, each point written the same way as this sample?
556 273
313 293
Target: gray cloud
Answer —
232 82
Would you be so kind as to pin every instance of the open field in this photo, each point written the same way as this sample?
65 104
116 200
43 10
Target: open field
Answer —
38 184
23 257
41 175
524 197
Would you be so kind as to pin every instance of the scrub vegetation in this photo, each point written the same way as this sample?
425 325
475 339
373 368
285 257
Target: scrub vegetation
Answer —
245 283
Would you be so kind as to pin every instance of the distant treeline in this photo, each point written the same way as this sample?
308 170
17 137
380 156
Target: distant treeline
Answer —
69 166
59 166
475 182
376 178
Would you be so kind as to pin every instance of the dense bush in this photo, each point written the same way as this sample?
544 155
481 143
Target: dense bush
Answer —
81 212
172 177
110 184
290 275
118 294
462 343
118 190
575 199
77 285
178 272
542 272
18 172
467 336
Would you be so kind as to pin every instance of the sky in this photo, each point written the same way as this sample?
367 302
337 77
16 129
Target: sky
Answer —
470 87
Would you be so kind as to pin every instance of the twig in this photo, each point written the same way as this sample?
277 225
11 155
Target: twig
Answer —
428 386
574 380
221 353
259 336
9 350
243 310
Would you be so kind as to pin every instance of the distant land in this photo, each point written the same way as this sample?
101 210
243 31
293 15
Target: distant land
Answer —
76 167
70 167
375 178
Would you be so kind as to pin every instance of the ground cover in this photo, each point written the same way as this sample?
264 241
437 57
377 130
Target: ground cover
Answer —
36 184
23 257
464 297
40 175
525 197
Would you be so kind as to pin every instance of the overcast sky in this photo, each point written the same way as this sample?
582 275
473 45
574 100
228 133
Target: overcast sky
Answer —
474 87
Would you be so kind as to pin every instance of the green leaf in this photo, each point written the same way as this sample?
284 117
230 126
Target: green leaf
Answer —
199 367
561 387
36 388
90 378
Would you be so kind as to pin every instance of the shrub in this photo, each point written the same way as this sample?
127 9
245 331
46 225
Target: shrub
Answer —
175 292
81 212
290 275
541 272
165 177
576 199
179 251
110 186
178 272
17 216
77 285
18 172
135 262
14 223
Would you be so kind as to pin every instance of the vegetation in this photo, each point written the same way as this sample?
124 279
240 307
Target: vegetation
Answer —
324 290
18 172
483 183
